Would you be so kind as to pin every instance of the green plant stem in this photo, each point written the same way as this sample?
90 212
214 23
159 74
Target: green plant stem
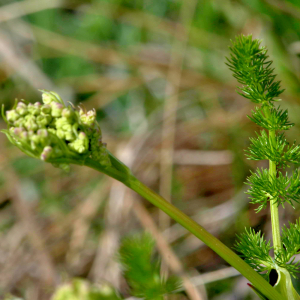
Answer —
193 227
273 205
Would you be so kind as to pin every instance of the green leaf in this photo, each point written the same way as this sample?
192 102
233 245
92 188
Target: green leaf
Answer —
254 249
142 271
277 119
282 188
251 67
277 150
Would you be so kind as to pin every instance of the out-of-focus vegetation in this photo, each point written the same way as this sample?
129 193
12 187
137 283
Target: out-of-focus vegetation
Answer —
141 270
155 72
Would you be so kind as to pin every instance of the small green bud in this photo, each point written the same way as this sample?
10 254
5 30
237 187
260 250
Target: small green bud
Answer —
106 290
61 134
30 123
51 130
12 115
58 98
43 134
46 109
70 136
68 113
35 140
34 109
57 109
63 124
30 133
81 144
46 154
67 127
82 136
19 123
43 120
24 136
21 109
49 97
87 118
19 132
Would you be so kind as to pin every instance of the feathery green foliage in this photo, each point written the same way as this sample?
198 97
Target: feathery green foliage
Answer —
255 250
252 68
276 120
142 271
277 150
281 189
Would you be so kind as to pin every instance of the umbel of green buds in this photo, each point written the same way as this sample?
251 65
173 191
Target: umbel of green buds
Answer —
51 130
80 289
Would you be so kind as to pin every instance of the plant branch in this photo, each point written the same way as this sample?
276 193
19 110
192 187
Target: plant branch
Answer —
228 255
274 205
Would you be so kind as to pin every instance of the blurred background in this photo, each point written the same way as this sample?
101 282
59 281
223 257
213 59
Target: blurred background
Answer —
166 102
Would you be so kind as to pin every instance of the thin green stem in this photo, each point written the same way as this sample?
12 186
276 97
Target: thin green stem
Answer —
193 227
274 205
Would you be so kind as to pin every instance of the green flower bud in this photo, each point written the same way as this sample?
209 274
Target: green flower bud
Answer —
43 120
21 133
70 136
19 123
46 109
35 140
63 123
48 97
107 291
12 115
87 118
81 144
46 154
30 133
99 152
77 290
57 109
51 130
21 109
43 135
61 134
24 136
68 113
30 123
34 109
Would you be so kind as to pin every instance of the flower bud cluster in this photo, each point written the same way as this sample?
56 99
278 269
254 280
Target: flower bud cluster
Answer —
51 130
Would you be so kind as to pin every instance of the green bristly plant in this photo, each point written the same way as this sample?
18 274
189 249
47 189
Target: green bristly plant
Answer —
273 186
63 135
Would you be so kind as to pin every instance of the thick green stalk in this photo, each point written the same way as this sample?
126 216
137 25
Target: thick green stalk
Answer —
274 205
119 172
